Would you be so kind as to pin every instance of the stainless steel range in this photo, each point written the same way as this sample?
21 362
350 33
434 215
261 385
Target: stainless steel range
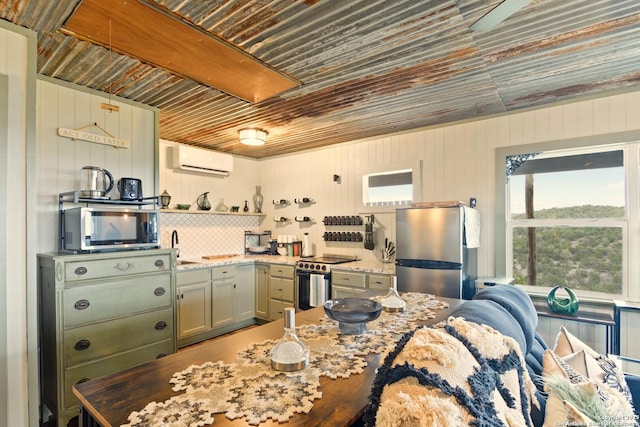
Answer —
313 280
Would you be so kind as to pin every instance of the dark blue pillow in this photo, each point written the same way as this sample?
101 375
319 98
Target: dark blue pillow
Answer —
518 304
490 313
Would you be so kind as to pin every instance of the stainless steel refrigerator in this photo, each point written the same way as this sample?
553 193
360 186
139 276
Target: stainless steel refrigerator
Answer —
432 255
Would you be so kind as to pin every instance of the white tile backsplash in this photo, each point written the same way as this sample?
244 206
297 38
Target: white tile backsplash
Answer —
201 234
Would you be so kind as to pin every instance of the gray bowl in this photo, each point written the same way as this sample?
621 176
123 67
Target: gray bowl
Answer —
352 314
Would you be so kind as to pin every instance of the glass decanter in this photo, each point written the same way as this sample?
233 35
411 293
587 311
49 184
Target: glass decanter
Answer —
392 302
289 354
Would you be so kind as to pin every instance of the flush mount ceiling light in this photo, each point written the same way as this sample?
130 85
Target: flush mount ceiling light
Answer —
252 136
155 35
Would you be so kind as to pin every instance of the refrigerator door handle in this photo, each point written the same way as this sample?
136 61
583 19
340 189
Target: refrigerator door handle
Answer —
429 264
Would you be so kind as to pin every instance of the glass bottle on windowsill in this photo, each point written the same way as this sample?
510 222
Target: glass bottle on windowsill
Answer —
289 354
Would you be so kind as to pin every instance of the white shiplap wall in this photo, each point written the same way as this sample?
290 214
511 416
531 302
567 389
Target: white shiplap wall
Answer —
61 159
458 163
18 384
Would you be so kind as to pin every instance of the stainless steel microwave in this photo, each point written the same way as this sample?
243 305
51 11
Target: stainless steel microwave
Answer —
87 229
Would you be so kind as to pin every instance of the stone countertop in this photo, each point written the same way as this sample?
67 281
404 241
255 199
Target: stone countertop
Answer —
194 263
367 267
358 266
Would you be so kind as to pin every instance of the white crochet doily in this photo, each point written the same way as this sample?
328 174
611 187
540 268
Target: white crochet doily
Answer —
250 388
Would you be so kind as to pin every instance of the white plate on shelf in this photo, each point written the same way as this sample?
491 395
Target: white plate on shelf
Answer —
258 248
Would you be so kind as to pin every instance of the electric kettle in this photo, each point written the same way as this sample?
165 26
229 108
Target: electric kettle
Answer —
94 182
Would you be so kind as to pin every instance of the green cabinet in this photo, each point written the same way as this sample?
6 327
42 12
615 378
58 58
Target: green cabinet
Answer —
281 289
351 284
213 301
223 295
244 297
99 314
347 284
194 302
262 291
380 282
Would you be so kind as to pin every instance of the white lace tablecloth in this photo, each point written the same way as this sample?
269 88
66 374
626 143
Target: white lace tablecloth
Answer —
250 388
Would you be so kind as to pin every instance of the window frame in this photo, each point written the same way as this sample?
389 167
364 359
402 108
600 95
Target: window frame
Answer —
416 182
629 142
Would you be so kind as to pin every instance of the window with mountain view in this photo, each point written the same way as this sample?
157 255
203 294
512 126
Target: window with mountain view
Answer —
566 219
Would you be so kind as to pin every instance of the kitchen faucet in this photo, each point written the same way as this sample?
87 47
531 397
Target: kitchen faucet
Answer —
175 241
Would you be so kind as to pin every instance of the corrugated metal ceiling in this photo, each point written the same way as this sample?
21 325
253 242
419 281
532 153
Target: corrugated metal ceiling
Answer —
367 67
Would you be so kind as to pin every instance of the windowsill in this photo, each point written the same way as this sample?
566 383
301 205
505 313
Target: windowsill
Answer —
381 209
586 304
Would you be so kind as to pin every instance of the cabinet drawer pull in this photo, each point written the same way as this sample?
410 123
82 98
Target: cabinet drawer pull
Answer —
83 380
159 291
82 345
123 267
161 325
159 263
81 304
80 271
161 355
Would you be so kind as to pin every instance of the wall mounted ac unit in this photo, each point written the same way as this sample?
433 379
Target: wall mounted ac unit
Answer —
200 160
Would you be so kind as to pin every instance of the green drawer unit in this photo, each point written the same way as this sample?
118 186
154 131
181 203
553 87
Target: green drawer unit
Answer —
102 339
82 269
380 281
100 314
82 373
345 278
281 289
109 299
224 272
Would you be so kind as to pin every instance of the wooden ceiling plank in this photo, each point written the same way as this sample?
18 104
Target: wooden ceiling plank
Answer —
155 37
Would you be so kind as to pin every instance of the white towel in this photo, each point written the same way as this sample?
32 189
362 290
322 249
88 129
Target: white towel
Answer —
316 290
472 227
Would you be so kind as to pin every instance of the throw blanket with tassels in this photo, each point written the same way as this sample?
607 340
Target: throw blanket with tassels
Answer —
459 373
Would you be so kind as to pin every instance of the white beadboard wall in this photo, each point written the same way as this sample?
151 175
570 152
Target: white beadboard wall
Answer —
458 163
207 234
18 384
60 160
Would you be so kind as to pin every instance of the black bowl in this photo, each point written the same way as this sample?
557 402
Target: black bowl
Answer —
352 310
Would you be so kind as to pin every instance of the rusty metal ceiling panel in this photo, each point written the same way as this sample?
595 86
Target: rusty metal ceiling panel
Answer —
367 67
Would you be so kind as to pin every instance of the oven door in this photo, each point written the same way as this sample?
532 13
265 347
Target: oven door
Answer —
312 289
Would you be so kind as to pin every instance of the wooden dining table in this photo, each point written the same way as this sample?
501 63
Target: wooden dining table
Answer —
109 400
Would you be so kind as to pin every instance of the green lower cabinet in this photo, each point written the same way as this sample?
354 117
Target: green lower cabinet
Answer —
194 303
262 291
213 301
281 289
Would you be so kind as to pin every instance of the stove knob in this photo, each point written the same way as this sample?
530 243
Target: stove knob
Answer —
318 267
324 267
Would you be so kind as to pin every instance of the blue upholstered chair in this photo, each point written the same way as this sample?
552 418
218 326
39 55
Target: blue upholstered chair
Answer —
489 307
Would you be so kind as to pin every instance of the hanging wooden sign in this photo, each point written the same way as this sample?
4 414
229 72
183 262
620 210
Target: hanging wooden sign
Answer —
91 137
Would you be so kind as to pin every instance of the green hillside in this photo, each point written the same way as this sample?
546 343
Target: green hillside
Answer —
588 258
